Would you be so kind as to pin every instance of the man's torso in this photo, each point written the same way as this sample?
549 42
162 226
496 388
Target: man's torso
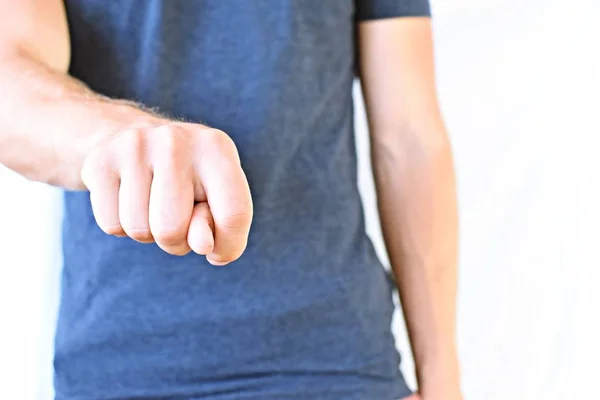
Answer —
306 311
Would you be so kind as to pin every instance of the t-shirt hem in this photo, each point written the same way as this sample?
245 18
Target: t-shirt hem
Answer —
330 395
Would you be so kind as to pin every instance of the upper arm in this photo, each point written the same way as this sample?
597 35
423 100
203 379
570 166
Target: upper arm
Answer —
397 70
38 28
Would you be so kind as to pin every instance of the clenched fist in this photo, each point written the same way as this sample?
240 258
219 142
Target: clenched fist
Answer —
180 185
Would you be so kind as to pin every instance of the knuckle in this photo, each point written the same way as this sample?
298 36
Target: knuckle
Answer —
221 141
235 221
181 248
140 235
169 237
114 230
170 138
201 248
229 256
171 147
179 251
133 144
235 255
96 166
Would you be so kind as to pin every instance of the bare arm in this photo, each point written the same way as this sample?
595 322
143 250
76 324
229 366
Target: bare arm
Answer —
49 121
413 169
54 129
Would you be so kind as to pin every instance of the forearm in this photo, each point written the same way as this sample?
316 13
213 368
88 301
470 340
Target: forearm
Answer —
417 204
49 121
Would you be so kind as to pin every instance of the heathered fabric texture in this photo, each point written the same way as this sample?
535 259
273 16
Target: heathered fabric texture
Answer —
306 312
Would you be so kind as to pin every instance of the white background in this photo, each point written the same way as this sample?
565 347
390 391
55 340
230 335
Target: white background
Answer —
518 82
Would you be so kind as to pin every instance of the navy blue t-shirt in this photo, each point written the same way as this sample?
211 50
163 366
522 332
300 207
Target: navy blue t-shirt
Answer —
305 313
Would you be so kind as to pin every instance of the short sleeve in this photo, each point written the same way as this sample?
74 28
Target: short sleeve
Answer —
377 9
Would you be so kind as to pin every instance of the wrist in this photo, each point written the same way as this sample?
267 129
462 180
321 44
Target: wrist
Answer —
439 372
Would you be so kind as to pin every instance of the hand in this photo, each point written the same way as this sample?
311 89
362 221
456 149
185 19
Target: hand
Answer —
177 184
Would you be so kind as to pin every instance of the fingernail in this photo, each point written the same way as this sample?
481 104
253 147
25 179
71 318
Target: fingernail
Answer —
216 263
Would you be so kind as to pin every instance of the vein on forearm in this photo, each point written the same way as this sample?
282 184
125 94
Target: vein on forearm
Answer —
414 184
49 120
415 189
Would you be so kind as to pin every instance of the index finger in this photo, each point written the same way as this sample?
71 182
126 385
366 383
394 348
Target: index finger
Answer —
230 202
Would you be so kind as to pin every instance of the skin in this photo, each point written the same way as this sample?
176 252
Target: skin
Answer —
181 185
177 184
414 177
